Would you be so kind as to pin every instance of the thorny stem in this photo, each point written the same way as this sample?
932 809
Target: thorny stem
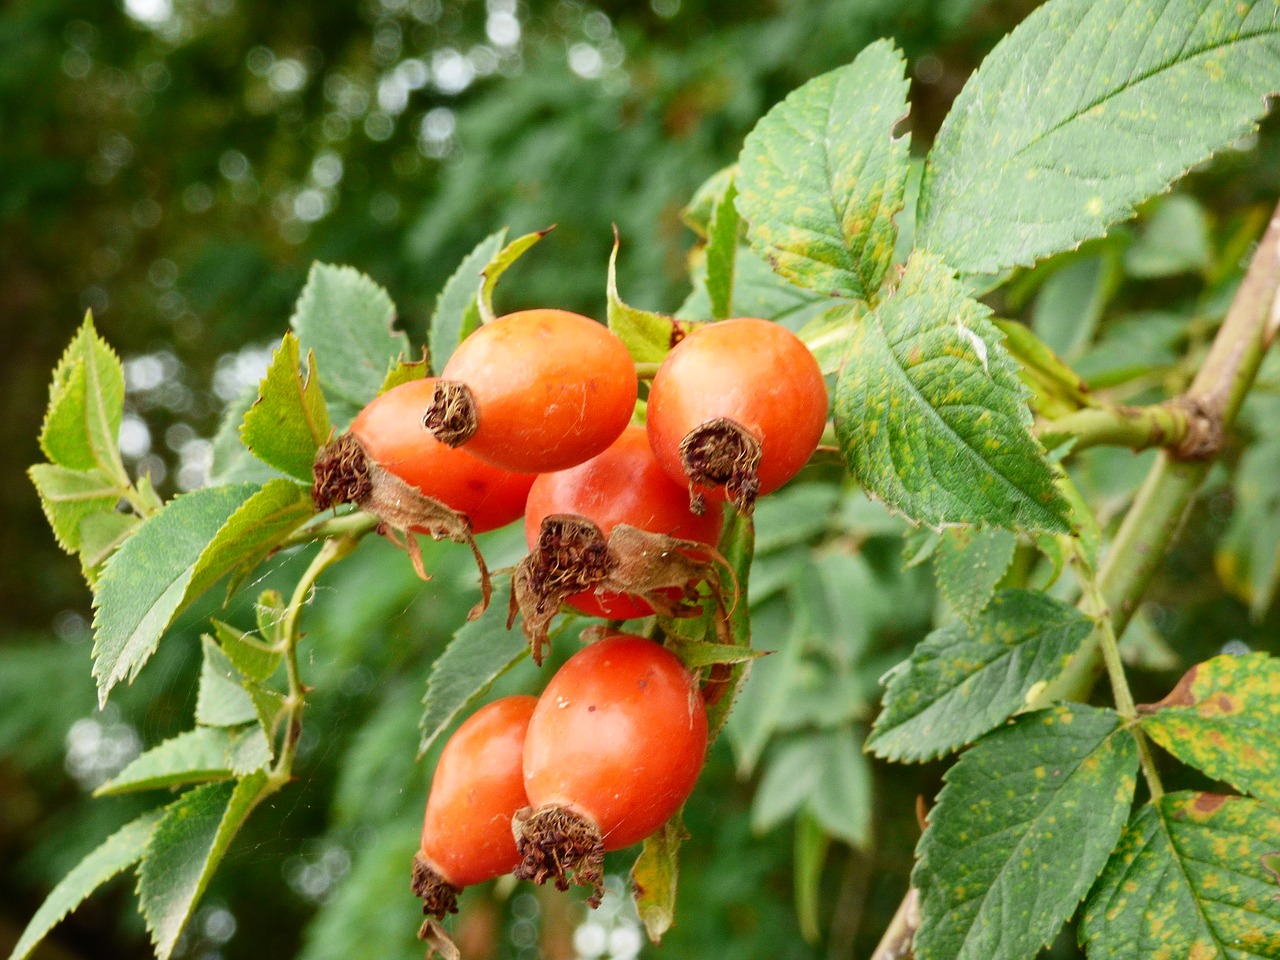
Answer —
1148 529
295 699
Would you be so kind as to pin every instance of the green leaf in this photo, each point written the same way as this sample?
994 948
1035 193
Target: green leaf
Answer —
223 700
86 405
965 679
288 422
1194 876
790 775
841 799
757 292
831 334
648 336
185 850
269 613
251 657
499 264
1087 108
1248 555
232 463
101 534
822 176
701 653
151 577
478 654
404 371
654 877
117 853
456 315
346 319
969 563
932 417
1071 303
197 756
1223 717
1026 821
69 497
1174 240
722 252
698 212
257 527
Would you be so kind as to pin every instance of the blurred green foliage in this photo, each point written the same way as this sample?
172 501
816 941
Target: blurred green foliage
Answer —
176 165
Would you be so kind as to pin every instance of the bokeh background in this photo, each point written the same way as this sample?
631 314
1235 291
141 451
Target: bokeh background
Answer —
175 166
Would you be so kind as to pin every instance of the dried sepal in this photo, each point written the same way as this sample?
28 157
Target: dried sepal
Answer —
722 451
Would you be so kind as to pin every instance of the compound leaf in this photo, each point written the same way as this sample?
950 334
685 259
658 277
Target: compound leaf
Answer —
1026 821
197 756
1223 717
1195 875
967 678
346 319
456 315
932 417
1084 110
478 654
288 422
149 579
184 851
822 176
117 853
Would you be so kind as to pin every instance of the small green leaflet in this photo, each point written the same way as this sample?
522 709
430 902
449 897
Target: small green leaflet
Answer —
1248 555
1223 717
697 212
1174 240
100 536
288 422
722 252
150 578
498 265
737 548
252 657
69 497
346 319
758 292
648 336
185 850
117 853
931 415
822 176
232 463
197 756
402 372
1026 821
830 334
478 654
222 701
654 876
965 679
1087 108
86 405
1195 875
456 315
969 564
823 773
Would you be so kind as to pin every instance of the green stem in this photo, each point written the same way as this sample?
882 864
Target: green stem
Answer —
295 699
647 371
354 524
1158 425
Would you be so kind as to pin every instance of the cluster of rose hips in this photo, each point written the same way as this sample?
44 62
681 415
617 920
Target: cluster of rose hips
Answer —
532 416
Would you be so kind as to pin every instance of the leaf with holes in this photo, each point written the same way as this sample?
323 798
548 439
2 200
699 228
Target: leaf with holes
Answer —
117 853
1195 875
1223 717
1026 821
288 422
1087 108
931 415
965 679
822 176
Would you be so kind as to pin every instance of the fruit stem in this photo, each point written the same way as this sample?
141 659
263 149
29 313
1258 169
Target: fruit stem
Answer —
354 524
646 371
331 552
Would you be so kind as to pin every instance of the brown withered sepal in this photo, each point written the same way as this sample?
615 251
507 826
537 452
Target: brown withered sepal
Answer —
722 451
561 846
